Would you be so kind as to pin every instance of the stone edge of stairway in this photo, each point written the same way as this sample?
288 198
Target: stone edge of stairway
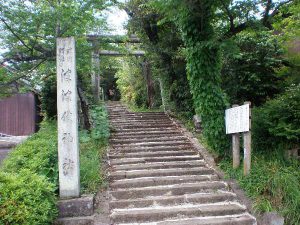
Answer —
241 195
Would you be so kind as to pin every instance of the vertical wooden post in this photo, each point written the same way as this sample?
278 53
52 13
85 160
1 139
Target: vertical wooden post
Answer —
162 94
95 74
236 148
67 119
247 145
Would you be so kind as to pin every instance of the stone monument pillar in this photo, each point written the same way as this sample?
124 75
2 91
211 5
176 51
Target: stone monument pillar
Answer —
67 119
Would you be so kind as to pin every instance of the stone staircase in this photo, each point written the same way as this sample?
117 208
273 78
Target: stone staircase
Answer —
157 177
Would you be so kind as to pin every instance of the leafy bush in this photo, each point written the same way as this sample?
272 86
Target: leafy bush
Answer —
29 181
37 154
250 63
49 97
26 198
92 146
132 84
273 184
278 121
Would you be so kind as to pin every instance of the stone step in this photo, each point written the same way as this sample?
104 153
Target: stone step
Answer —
161 213
145 129
121 121
139 121
118 112
145 134
118 115
153 159
240 219
134 126
183 147
146 139
198 198
176 189
153 143
117 175
120 154
160 165
158 181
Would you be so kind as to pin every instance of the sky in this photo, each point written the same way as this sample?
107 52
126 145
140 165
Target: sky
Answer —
116 19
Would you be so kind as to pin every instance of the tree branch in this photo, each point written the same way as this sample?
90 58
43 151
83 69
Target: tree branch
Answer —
14 33
24 74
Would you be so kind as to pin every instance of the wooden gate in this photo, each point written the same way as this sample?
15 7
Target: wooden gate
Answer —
19 115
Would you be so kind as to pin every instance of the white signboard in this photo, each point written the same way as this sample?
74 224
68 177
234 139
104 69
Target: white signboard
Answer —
237 119
68 151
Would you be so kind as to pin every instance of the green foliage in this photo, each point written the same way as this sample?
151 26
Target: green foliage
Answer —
37 154
29 181
26 198
132 84
250 63
49 97
162 42
92 148
273 184
203 67
278 121
29 32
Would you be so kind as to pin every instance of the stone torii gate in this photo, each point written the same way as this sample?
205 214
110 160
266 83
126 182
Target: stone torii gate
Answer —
96 41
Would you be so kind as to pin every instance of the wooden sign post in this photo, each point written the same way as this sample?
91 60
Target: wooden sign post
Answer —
67 119
237 120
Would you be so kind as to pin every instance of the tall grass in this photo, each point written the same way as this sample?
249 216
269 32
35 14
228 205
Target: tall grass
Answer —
273 184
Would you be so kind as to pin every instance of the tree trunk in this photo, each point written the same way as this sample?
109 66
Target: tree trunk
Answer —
84 108
149 83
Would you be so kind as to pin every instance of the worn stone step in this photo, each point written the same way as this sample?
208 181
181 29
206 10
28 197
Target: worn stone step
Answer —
240 219
145 134
153 143
160 165
146 139
162 213
145 129
120 154
117 175
176 189
129 116
183 147
140 121
157 181
153 159
147 126
198 198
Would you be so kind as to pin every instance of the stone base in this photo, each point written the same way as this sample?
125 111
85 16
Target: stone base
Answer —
77 207
87 220
272 218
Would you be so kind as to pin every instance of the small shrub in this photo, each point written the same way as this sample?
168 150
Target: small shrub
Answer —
26 198
278 121
37 154
273 184
92 147
49 97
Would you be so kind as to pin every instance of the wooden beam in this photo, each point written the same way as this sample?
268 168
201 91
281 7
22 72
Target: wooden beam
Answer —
113 38
115 53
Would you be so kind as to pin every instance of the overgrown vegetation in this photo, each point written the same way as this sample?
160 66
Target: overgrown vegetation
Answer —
208 55
273 184
29 181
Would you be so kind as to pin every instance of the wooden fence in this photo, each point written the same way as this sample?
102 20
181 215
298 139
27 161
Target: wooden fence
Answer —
19 115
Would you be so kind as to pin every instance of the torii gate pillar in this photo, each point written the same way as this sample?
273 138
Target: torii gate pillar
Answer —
95 74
